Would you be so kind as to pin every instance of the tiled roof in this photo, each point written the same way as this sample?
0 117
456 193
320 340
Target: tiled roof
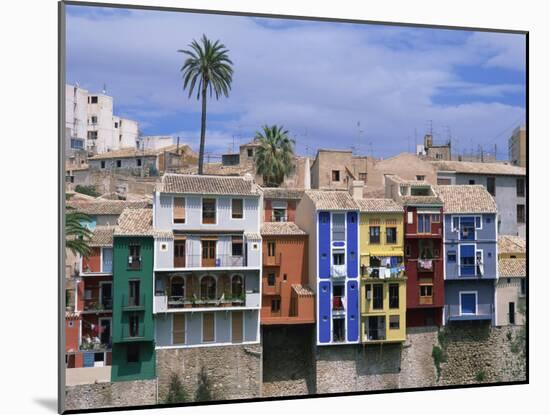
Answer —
421 200
138 222
281 228
466 199
512 267
302 290
102 236
479 168
215 185
128 152
332 200
253 236
282 193
379 205
510 244
105 207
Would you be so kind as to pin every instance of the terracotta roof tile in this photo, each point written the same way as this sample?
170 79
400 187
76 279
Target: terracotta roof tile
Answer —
282 193
466 199
479 168
332 200
216 185
104 207
510 244
138 222
303 290
102 236
281 228
379 205
128 152
512 267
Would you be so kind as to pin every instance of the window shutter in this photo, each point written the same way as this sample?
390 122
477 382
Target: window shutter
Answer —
208 327
179 209
178 328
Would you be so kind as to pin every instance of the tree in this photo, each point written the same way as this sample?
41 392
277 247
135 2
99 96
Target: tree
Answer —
209 68
76 234
204 390
176 392
275 156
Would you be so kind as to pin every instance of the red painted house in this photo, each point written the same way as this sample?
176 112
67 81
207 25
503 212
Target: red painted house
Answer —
423 223
280 204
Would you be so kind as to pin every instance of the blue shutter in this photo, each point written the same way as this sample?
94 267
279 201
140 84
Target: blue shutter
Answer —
353 311
468 303
107 259
324 312
351 241
324 244
467 260
420 225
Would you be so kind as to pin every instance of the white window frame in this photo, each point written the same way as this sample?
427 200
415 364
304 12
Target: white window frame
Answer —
460 302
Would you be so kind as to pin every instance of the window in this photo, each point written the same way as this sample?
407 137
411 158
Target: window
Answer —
275 305
138 162
467 260
271 248
208 211
249 152
335 175
391 235
102 164
116 124
339 258
279 215
237 286
467 228
271 279
284 277
208 288
420 177
77 144
394 295
522 286
436 218
451 256
236 208
207 327
471 181
177 288
339 227
132 353
426 294
511 313
179 253
407 250
92 135
423 225
178 328
521 213
520 187
409 217
237 246
478 222
119 163
378 297
179 210
133 293
479 262
374 234
133 320
468 303
93 119
363 177
491 185
394 322
134 257
208 252
93 99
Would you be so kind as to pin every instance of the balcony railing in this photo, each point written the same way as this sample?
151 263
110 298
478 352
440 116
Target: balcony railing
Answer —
220 260
482 312
338 336
425 265
96 305
426 300
274 289
134 263
271 261
279 218
338 304
162 303
338 271
375 334
382 272
133 303
132 334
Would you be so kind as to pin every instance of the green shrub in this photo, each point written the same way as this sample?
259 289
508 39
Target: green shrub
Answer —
439 356
87 190
204 391
481 376
176 392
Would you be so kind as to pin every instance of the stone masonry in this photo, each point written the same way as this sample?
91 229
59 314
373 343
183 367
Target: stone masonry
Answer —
111 394
233 372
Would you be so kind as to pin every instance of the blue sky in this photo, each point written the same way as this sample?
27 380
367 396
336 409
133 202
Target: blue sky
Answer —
318 79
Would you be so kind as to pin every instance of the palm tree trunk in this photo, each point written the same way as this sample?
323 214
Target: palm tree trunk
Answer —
203 127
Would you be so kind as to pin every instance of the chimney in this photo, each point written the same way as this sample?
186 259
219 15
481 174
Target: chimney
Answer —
356 189
307 175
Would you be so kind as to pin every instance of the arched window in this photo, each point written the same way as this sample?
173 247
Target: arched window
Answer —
208 288
237 285
177 287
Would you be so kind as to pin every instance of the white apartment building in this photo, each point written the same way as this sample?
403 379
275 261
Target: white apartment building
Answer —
91 124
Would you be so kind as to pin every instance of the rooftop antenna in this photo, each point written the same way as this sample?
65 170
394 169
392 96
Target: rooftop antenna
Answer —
431 129
104 89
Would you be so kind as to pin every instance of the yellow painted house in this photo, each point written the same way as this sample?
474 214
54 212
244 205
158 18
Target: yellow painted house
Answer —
383 281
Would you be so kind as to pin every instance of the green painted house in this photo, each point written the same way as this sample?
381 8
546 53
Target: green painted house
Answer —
132 325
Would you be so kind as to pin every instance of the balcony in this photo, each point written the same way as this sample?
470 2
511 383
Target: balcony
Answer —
271 261
134 263
426 300
219 261
97 306
382 272
338 271
425 265
482 312
338 336
375 335
274 289
133 303
132 334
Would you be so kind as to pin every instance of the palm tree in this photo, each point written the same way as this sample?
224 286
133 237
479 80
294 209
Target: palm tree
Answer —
275 156
76 234
209 64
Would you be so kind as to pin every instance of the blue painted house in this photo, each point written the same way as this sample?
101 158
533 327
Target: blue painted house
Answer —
470 253
331 219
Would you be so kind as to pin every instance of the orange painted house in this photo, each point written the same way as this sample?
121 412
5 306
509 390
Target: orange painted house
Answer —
280 204
286 297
